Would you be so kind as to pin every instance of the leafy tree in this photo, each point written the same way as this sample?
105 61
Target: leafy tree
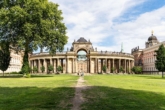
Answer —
4 56
121 69
42 68
104 68
137 69
59 69
30 24
50 68
160 59
113 69
35 69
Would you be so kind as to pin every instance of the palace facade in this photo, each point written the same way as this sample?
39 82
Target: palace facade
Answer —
146 57
83 57
15 62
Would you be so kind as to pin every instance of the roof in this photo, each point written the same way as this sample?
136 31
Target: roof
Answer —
81 39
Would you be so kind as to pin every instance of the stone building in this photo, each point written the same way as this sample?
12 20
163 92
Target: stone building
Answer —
145 57
15 62
83 57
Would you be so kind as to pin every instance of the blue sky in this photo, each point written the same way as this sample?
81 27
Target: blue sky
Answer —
108 23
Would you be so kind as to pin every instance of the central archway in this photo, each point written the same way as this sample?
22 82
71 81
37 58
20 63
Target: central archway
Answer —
82 60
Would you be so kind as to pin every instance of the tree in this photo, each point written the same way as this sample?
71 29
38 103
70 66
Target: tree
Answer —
4 56
160 59
32 24
59 69
42 68
35 69
121 69
104 68
50 68
137 69
113 69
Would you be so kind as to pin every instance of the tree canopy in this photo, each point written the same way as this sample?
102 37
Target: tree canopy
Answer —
30 24
160 59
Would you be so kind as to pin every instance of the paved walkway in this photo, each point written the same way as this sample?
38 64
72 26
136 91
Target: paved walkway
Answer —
78 98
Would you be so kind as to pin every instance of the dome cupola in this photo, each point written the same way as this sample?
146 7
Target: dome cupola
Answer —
81 39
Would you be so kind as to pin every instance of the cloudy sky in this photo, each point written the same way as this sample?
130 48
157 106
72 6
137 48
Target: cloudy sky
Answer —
109 23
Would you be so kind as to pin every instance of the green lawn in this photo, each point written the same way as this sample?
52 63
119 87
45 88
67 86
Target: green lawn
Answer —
37 93
124 92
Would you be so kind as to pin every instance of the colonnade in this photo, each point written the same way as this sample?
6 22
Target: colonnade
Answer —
93 65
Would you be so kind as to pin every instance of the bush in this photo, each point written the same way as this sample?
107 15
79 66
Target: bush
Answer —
27 75
14 73
137 69
42 68
50 68
35 69
104 68
59 68
121 69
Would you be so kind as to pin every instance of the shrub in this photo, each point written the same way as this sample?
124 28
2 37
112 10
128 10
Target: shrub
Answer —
121 69
42 68
137 69
104 68
59 68
50 68
35 69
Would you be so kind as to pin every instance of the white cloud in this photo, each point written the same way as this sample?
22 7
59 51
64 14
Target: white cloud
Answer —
94 20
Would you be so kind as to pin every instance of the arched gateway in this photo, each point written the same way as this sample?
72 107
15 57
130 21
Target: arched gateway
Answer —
83 57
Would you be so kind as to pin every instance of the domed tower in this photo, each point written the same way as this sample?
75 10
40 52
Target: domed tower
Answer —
152 40
83 44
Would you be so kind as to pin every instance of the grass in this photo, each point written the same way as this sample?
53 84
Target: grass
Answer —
124 92
37 93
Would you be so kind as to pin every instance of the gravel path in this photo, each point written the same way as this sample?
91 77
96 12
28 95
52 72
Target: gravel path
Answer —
78 98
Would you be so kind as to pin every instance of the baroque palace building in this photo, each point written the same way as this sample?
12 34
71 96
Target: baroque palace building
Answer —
83 57
15 62
146 57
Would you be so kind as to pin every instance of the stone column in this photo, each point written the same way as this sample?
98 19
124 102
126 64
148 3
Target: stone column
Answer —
58 62
129 66
39 66
110 65
73 68
55 65
113 65
106 64
45 65
119 65
75 64
101 66
62 65
51 62
96 65
66 65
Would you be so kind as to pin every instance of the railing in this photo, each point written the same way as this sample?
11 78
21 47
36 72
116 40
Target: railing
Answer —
99 52
115 53
47 53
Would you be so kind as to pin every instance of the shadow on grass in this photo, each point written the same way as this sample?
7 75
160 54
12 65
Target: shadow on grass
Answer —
30 98
97 98
109 98
151 76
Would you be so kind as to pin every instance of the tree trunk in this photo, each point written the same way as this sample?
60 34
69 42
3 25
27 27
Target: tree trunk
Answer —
3 73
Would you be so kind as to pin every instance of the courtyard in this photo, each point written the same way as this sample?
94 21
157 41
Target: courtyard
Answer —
103 92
